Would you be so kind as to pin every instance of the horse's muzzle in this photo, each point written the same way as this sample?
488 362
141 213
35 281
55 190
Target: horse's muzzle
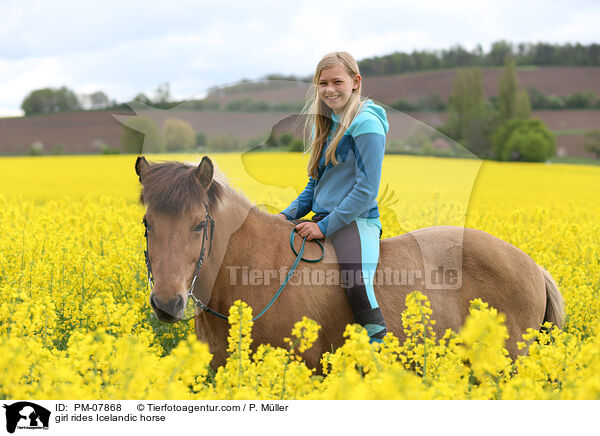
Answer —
170 311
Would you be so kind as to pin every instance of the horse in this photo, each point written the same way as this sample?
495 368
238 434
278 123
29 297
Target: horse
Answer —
249 253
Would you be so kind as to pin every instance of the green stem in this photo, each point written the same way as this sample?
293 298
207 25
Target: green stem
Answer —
240 348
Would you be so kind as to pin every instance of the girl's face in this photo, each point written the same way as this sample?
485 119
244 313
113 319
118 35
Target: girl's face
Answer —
335 87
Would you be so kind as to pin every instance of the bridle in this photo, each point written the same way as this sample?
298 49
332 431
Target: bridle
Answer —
208 236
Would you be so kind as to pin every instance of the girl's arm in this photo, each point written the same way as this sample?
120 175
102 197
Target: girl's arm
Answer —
369 151
301 205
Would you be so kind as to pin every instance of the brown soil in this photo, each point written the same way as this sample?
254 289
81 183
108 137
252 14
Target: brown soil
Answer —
83 132
412 86
548 80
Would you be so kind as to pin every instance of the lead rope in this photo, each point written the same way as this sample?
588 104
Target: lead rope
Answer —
279 291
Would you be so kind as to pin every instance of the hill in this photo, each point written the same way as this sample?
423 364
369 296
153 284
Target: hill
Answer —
83 132
388 89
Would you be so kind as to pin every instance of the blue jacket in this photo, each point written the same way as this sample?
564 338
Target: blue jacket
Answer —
348 190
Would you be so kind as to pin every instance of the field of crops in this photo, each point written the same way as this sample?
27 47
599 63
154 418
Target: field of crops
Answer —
75 320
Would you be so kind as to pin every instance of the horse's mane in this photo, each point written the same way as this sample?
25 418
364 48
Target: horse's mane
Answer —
173 187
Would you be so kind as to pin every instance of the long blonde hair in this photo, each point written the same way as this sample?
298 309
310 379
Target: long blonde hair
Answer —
318 114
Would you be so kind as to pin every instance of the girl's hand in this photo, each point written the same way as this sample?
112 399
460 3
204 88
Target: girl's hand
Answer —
310 230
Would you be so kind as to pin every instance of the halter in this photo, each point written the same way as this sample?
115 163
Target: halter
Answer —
209 221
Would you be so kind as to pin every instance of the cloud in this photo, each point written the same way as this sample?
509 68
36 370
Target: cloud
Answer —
18 77
129 47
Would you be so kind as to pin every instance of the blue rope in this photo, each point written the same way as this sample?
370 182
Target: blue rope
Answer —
287 277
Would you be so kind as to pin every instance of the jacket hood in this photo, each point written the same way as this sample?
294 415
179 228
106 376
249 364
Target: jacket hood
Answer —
370 107
379 112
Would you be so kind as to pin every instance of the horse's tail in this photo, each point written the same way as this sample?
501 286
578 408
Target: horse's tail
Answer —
555 303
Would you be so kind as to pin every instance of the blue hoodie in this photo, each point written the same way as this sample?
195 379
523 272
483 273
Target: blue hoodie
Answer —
347 190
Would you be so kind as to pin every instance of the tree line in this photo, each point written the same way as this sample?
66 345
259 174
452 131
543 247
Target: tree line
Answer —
53 100
48 100
542 54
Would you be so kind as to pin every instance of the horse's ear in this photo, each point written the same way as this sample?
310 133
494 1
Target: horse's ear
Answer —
140 164
204 172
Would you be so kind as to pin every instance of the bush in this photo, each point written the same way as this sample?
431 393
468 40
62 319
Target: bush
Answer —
524 140
36 149
200 139
296 145
581 100
592 143
58 150
404 105
431 103
141 133
555 102
109 150
286 139
246 104
500 138
253 143
525 146
295 106
178 135
222 143
205 105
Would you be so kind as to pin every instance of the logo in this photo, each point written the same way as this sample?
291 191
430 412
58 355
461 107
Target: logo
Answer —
26 415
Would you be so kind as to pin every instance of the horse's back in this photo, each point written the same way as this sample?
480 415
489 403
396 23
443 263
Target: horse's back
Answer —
452 265
428 260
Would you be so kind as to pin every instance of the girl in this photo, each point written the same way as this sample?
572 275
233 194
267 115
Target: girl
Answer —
347 143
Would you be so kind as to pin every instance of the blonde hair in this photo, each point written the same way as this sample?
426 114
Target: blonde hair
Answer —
318 114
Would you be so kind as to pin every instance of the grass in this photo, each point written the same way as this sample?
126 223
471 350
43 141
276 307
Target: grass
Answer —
575 160
570 132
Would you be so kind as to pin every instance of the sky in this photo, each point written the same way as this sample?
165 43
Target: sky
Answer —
127 46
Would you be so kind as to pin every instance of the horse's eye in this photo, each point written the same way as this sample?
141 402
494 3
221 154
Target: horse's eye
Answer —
145 223
199 227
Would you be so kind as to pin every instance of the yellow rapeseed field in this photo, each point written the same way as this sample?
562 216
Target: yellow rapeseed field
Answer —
75 321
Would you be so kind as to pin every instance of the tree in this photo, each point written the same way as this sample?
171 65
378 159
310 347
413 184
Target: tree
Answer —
507 91
522 105
592 143
513 102
479 132
472 119
466 99
141 134
499 51
162 94
49 100
99 100
141 97
178 135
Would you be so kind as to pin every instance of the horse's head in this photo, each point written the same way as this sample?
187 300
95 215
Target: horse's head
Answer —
178 200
